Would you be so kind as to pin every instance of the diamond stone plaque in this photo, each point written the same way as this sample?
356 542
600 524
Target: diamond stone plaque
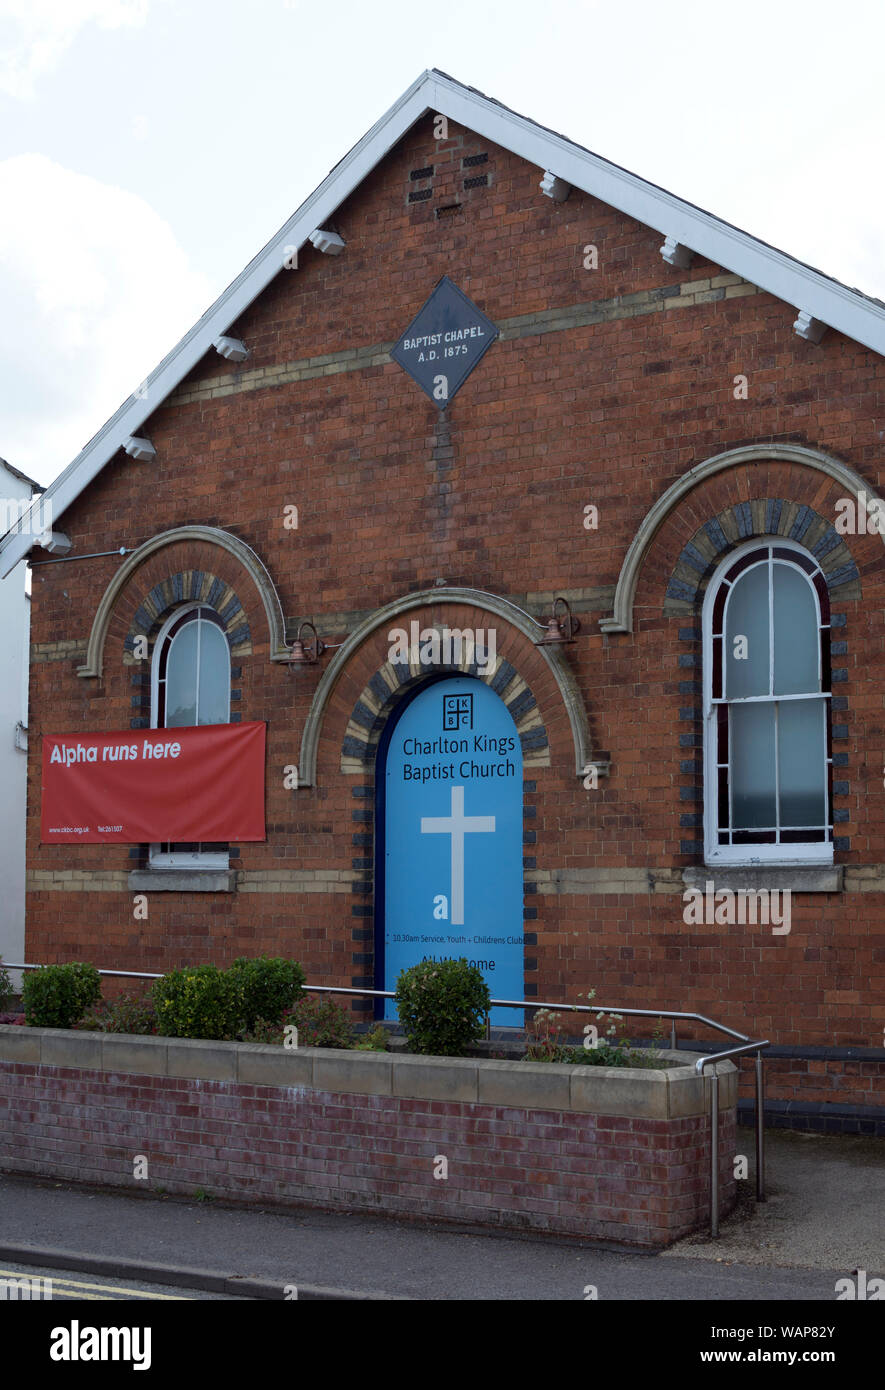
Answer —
444 342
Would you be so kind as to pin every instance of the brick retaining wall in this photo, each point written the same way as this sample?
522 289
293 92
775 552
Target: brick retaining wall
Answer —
528 1147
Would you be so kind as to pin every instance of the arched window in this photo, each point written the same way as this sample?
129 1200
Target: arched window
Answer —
190 685
767 753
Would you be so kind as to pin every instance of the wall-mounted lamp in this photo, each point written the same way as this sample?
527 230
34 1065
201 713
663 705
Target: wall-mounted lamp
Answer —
558 630
561 629
307 650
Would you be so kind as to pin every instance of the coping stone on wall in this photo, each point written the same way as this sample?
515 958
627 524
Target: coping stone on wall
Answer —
638 1092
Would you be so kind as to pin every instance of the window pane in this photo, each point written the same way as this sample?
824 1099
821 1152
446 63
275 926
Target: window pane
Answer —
717 668
795 634
823 595
214 675
719 607
181 679
722 734
751 558
752 766
747 673
801 766
795 557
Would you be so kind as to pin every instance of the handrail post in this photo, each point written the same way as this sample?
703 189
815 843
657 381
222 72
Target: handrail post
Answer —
673 1035
760 1128
488 1027
714 1153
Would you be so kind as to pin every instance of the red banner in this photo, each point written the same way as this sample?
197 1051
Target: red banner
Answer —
152 785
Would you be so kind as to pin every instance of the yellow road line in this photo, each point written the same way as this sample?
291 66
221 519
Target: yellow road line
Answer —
62 1294
106 1288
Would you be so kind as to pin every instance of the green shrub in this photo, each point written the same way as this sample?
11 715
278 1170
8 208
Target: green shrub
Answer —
442 1006
130 1013
268 987
322 1022
269 1034
374 1041
6 990
55 996
199 1001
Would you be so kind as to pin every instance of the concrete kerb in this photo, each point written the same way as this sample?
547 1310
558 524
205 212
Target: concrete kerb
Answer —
180 1276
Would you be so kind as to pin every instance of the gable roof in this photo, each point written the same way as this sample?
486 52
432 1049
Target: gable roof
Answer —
22 477
849 311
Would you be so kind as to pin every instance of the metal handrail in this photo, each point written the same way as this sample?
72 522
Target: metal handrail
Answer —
746 1045
714 1124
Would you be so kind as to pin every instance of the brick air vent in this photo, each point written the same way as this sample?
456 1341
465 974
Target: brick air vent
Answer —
421 195
473 159
479 181
449 210
425 173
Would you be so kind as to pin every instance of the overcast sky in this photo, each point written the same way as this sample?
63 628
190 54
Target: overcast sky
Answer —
148 148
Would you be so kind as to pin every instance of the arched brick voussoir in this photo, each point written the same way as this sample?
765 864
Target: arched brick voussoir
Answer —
189 564
375 684
189 586
804 472
730 522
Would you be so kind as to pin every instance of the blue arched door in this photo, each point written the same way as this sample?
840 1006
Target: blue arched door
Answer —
450 870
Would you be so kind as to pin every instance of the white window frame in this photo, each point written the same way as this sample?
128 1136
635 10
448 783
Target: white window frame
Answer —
814 852
210 860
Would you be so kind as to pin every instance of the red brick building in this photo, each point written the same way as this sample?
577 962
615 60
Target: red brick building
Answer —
677 429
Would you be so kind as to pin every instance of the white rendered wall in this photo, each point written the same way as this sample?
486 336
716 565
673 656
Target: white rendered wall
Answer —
14 640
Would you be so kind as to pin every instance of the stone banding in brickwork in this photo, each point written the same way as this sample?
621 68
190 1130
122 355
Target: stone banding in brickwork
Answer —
622 306
57 651
850 878
586 600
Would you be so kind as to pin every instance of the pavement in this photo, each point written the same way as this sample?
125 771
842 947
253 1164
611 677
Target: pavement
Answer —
824 1208
824 1219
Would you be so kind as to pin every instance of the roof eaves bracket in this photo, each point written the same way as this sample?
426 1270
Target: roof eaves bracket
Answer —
231 349
330 243
554 187
139 448
808 327
674 253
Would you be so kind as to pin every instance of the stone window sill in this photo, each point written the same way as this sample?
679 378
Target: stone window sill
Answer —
183 881
798 878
